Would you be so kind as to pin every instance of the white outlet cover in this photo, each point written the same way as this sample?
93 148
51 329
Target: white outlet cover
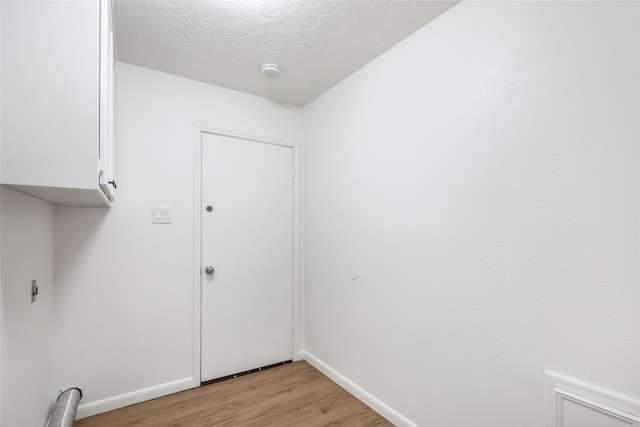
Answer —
161 215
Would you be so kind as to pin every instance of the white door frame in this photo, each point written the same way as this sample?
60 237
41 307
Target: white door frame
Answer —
197 241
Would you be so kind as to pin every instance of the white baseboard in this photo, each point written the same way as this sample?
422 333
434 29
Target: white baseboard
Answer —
374 403
131 398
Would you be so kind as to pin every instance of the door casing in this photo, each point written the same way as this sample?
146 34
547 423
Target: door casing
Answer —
197 241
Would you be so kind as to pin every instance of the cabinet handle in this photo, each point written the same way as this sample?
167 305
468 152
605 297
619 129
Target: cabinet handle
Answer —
113 183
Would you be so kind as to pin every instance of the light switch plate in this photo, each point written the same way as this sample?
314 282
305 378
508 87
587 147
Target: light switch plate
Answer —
161 215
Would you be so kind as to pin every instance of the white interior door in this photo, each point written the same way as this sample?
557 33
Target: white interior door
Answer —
247 237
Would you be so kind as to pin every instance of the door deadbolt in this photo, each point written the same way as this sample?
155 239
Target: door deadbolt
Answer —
209 270
209 208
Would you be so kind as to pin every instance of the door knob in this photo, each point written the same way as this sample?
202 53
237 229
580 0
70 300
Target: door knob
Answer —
209 269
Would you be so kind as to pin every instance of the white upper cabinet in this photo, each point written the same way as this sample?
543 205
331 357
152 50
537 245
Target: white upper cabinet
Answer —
57 100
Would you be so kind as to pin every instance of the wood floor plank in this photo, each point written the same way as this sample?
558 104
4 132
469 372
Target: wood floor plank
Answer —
295 395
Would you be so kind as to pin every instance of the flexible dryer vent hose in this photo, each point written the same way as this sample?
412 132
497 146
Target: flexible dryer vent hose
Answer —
64 413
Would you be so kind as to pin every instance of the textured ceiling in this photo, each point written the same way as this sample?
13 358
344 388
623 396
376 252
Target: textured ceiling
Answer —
316 43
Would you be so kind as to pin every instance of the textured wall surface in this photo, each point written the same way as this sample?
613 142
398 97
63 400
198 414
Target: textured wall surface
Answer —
482 176
317 43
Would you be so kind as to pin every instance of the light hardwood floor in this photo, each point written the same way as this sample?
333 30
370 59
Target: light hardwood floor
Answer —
295 394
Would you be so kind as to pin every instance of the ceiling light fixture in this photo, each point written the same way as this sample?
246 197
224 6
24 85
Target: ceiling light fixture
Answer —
270 70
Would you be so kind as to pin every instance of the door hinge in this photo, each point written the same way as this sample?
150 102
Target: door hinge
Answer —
293 327
293 171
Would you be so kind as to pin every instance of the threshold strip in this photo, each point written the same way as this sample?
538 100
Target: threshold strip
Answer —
241 374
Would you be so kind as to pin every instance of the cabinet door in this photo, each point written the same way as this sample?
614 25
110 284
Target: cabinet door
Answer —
50 94
107 61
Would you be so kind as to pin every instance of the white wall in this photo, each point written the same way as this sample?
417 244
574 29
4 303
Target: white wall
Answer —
124 287
27 329
1 353
483 178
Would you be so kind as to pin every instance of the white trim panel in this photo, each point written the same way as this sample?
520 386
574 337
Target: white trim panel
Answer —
197 254
116 402
374 403
568 400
